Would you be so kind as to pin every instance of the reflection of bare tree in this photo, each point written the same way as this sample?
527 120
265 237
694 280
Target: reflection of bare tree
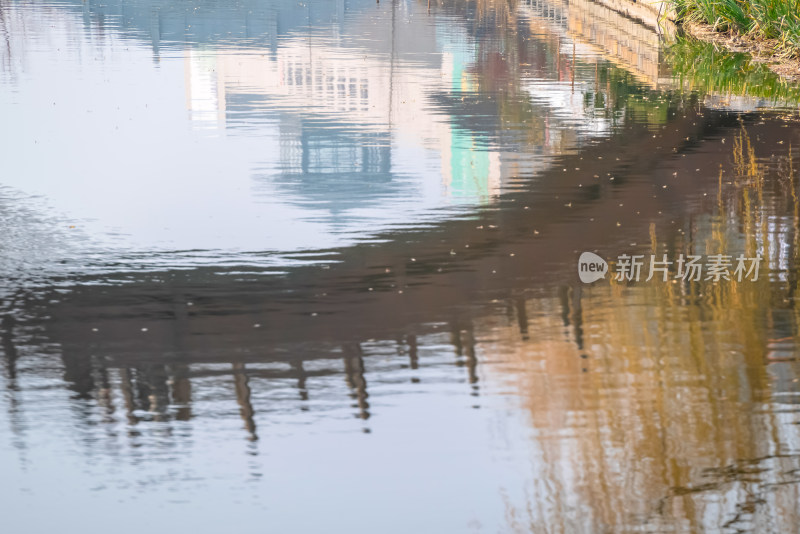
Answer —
7 324
78 374
354 374
522 317
126 386
299 369
243 398
153 392
6 55
11 356
463 339
181 391
105 394
413 351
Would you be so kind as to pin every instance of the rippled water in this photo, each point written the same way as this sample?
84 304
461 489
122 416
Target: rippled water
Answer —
275 265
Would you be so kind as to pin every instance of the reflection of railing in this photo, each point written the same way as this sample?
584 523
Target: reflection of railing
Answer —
657 14
626 42
553 11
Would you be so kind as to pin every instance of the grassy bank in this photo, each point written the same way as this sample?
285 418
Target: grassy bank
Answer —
773 24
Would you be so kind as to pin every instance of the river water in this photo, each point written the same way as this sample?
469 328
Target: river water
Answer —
313 266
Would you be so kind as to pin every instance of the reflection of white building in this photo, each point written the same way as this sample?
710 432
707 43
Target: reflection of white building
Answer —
327 85
380 86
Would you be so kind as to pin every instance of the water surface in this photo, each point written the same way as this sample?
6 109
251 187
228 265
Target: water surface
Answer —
312 266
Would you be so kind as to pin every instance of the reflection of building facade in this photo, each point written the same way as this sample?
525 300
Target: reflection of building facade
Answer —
342 110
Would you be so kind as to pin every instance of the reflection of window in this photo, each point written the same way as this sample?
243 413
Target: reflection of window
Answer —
331 155
204 101
335 153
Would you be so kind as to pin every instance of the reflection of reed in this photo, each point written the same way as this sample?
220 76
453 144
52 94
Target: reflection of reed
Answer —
675 424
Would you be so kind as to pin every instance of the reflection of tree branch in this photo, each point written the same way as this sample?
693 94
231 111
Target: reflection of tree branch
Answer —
6 39
9 347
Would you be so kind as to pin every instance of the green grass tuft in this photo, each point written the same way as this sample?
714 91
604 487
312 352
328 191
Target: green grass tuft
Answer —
761 19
